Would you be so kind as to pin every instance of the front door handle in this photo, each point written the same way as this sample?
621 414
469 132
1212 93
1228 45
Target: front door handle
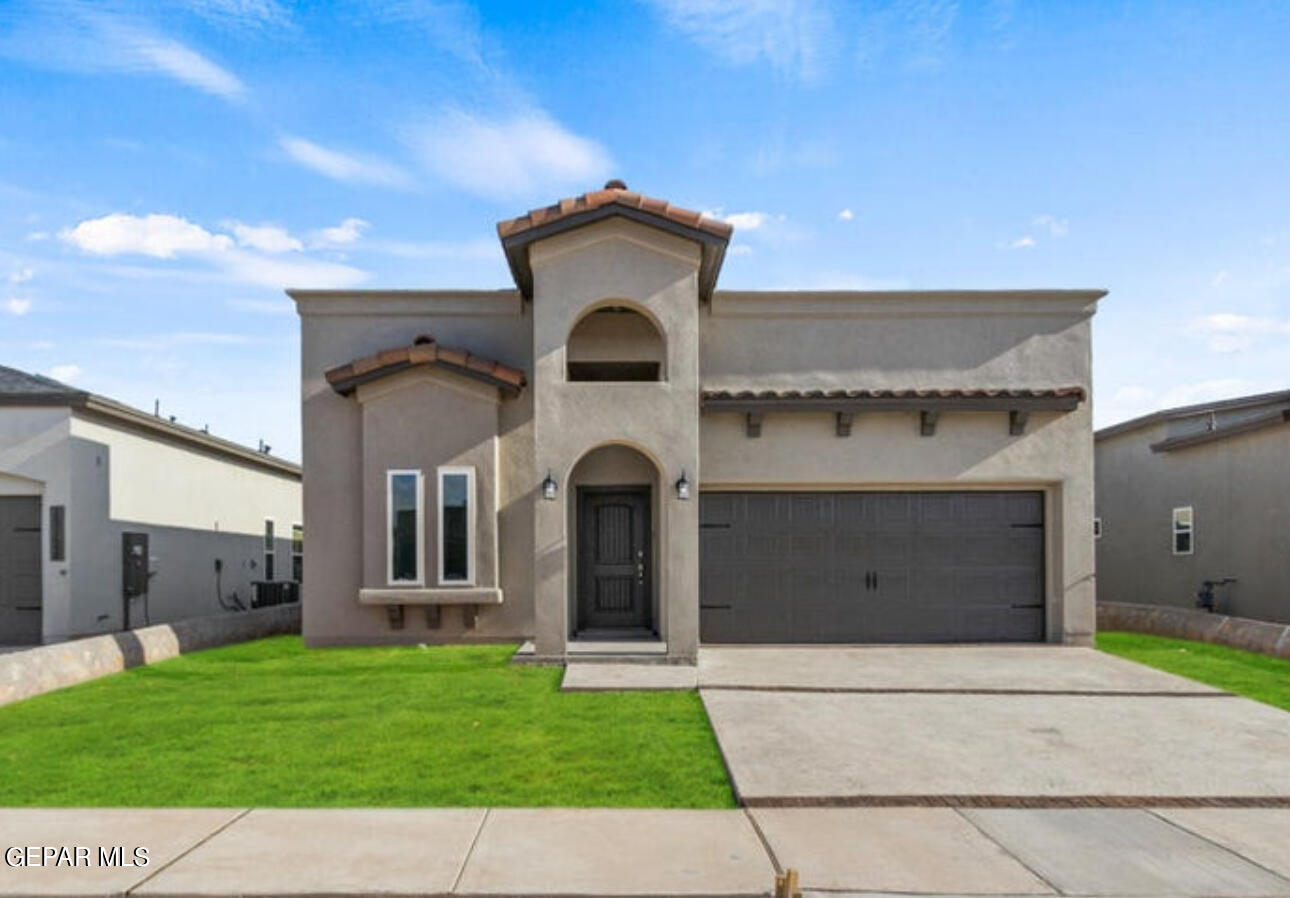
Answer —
640 565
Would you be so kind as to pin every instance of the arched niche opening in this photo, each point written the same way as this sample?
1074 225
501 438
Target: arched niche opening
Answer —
615 343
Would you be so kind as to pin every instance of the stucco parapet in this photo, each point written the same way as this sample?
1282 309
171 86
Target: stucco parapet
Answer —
904 303
504 303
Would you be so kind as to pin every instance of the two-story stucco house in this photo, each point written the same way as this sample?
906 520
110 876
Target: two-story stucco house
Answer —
616 457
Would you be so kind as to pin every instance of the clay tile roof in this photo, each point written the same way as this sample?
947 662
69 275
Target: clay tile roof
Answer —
613 199
1076 393
596 199
425 351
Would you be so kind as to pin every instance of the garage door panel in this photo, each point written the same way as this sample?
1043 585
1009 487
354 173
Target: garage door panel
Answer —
872 567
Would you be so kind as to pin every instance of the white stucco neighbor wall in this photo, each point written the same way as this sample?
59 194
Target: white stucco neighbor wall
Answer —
195 506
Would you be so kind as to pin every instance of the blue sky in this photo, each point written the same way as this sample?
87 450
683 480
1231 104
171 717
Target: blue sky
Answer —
167 168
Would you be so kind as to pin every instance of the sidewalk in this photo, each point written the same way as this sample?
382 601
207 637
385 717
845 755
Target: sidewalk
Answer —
557 852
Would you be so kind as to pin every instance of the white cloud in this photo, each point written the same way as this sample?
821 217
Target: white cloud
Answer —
1025 242
266 238
846 215
739 249
241 12
344 234
1227 332
747 221
83 37
341 166
1220 277
17 306
502 158
65 373
184 64
1056 227
159 236
171 237
794 36
21 276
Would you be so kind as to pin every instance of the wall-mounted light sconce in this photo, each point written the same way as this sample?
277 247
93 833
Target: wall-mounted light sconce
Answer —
683 487
549 488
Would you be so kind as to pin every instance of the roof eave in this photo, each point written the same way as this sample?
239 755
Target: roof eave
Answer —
712 246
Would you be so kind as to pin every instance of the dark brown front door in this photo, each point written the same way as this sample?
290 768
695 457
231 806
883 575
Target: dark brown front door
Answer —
613 559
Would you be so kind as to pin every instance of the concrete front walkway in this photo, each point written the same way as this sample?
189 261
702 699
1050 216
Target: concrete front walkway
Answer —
984 726
556 852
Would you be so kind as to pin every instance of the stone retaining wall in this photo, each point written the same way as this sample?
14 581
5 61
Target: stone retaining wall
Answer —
1184 623
29 672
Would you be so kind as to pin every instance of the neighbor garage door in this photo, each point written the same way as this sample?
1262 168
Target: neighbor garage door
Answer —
19 570
872 567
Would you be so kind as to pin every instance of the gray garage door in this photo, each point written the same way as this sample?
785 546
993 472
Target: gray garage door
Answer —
872 567
19 570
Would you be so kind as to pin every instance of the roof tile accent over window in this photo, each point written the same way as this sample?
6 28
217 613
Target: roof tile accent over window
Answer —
425 351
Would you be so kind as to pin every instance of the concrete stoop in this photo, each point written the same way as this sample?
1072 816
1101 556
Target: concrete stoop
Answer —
546 853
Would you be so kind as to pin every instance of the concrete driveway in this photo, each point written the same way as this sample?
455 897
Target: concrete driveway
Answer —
984 726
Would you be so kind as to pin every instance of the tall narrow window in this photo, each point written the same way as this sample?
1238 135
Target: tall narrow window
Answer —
297 552
268 549
57 533
1184 531
406 523
457 525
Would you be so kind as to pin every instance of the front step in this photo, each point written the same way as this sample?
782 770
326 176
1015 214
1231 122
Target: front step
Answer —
620 676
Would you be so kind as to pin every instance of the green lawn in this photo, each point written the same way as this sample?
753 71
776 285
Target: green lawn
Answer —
1250 674
271 723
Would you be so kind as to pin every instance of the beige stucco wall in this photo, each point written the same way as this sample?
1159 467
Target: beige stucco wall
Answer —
738 341
606 336
423 420
620 263
337 328
1240 495
823 341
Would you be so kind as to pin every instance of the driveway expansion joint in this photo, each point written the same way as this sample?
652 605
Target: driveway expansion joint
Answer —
1024 802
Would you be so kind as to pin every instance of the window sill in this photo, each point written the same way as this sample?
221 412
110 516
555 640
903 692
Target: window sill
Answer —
415 595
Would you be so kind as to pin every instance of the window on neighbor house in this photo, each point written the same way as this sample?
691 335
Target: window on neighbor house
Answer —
1097 528
615 344
268 549
1184 531
57 533
457 526
297 552
406 522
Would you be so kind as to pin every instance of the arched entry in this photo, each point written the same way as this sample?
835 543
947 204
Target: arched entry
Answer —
612 540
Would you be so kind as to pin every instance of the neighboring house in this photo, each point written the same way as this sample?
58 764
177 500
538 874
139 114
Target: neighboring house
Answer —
112 518
617 457
1198 493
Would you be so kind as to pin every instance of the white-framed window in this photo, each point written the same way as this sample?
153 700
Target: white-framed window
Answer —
268 549
456 526
1097 528
297 552
405 557
1184 530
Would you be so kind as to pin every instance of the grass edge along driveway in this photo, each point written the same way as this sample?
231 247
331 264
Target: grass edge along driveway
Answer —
1260 677
272 724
